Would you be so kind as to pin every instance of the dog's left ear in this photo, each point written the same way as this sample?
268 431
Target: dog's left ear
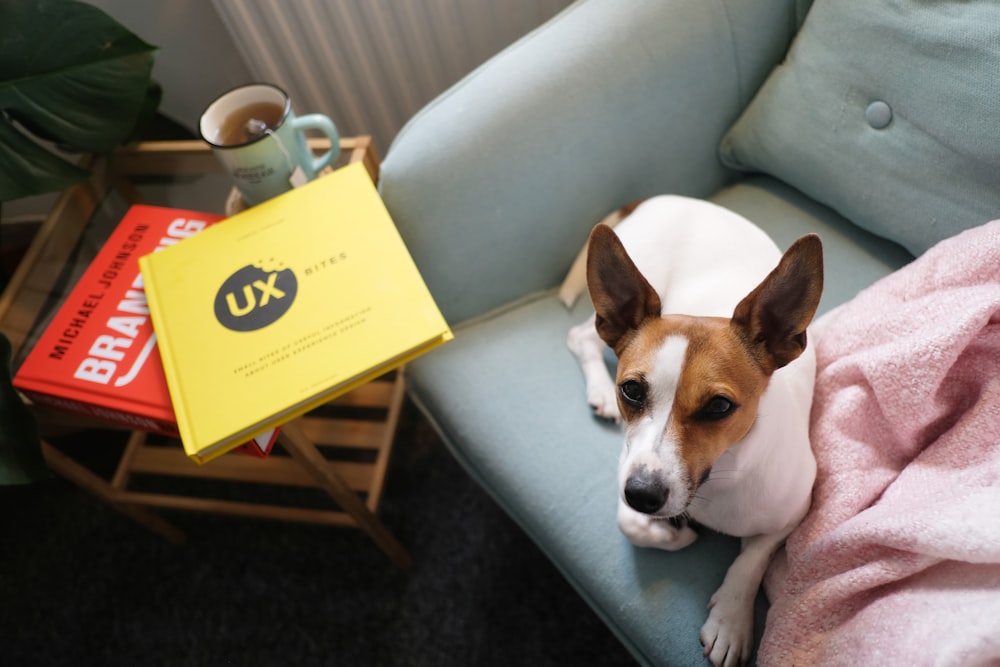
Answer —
772 319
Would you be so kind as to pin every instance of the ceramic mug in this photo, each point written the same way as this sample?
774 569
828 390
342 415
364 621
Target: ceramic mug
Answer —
262 143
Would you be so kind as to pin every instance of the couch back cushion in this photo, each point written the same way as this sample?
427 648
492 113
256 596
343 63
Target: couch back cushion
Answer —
887 111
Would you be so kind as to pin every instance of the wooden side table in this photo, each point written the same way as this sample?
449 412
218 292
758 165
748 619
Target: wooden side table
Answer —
342 449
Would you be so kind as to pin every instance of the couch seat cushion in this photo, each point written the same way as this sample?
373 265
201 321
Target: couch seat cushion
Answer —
852 258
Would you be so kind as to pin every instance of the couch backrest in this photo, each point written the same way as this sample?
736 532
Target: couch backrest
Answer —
496 184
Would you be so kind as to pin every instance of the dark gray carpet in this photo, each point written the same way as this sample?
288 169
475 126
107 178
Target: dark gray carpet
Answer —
82 584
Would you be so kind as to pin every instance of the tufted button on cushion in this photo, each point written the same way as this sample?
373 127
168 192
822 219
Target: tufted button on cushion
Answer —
878 114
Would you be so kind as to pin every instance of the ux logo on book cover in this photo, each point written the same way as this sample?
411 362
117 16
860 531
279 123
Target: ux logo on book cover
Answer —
255 296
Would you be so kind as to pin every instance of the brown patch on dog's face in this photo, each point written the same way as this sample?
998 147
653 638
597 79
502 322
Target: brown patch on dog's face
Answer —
715 398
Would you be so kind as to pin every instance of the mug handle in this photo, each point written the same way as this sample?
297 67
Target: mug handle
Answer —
317 121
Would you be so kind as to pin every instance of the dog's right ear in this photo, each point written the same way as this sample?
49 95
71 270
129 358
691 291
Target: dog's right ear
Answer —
623 298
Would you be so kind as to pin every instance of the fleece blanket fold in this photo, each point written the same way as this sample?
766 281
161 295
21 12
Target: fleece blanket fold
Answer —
898 560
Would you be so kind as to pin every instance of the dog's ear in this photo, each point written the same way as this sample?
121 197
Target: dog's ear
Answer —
772 319
622 297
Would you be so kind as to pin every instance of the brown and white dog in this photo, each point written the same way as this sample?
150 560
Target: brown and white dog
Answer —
708 320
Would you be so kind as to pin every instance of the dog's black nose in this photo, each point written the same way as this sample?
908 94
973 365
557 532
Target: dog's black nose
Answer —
644 494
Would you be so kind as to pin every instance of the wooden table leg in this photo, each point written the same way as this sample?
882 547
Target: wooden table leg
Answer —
304 451
66 467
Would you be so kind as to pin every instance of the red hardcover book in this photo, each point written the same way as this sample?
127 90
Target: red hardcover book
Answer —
98 355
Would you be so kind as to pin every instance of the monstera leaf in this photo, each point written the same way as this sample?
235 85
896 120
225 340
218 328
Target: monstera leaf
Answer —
69 75
20 447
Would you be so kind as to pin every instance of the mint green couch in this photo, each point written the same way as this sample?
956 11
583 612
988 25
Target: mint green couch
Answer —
877 128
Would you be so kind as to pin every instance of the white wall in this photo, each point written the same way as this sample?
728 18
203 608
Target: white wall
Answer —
196 60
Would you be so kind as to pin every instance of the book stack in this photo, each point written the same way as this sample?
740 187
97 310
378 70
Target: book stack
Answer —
98 355
257 319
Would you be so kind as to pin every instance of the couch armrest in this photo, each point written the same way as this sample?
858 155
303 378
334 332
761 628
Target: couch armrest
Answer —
496 184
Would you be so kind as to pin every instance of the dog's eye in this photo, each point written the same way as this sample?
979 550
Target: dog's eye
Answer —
634 392
717 408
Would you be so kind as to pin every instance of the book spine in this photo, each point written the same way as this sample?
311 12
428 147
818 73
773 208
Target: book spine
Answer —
169 370
118 417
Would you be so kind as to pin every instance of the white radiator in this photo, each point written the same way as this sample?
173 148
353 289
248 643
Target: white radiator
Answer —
371 64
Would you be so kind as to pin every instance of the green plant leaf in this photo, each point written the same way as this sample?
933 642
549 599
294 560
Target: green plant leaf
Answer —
75 77
21 458
28 169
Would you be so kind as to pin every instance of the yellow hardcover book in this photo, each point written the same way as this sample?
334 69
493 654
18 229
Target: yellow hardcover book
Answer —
281 308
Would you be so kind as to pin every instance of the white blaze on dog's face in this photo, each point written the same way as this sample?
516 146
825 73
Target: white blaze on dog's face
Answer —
687 393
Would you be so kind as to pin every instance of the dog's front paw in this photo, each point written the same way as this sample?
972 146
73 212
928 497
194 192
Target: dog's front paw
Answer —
603 398
728 633
643 530
602 394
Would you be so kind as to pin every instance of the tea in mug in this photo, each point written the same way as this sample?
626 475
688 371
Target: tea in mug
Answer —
249 122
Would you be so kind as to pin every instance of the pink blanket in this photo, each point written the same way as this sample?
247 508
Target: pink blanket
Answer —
898 560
